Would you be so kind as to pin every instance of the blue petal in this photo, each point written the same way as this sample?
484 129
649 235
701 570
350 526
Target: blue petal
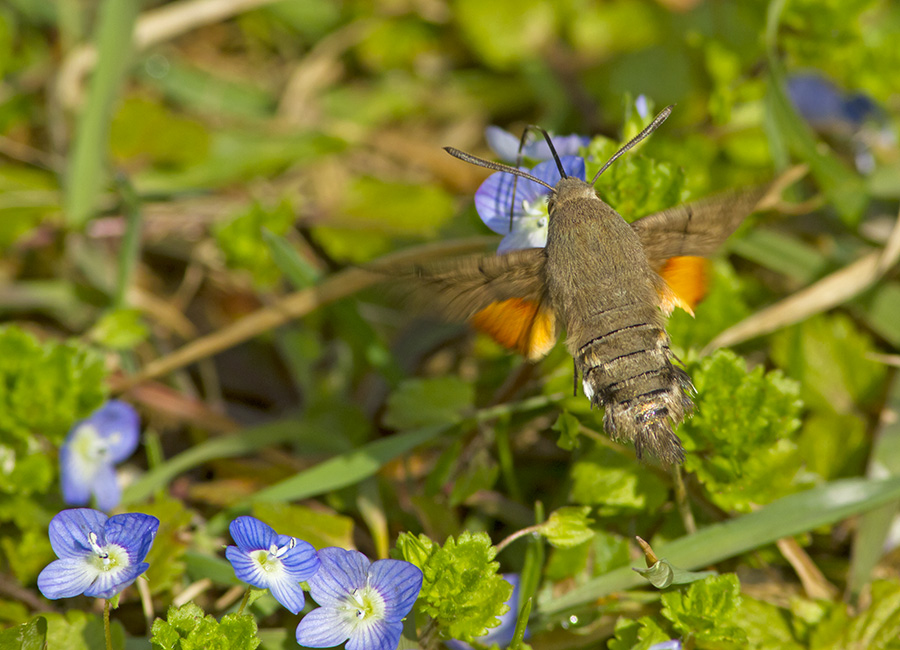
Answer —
118 423
105 486
251 534
399 583
302 561
110 583
565 145
134 532
246 568
502 142
76 477
323 628
548 172
672 644
66 578
340 573
493 200
69 531
376 635
287 591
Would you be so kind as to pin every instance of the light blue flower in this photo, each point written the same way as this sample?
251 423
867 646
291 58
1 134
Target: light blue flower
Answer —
529 209
672 644
98 555
267 560
506 145
361 603
503 634
90 452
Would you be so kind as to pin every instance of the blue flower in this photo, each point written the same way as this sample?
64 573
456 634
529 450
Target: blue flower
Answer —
529 210
503 634
362 602
90 452
98 555
672 644
506 145
267 560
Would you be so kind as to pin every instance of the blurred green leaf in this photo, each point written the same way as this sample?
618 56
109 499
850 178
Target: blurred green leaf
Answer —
424 402
637 634
615 484
829 356
119 329
28 636
242 239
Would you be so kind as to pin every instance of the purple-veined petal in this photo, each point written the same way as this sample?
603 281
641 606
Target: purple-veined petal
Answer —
118 423
134 532
69 531
324 628
110 583
105 486
76 476
287 590
340 573
246 568
493 200
250 534
376 635
67 577
399 583
302 561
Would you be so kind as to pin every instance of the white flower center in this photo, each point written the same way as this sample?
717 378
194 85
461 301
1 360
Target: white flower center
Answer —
91 446
537 208
364 606
270 560
110 557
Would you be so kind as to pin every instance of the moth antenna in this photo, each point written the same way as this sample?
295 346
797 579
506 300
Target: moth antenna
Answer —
497 167
650 128
559 166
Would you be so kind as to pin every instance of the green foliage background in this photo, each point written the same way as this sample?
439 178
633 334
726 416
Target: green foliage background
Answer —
156 191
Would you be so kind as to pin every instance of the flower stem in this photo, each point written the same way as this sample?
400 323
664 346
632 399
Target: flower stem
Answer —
516 535
106 624
244 602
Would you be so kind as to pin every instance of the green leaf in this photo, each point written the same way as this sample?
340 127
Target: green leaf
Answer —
317 527
706 609
166 556
78 630
187 628
877 628
243 243
740 441
637 634
615 483
568 527
28 636
424 402
663 574
462 590
568 427
831 358
119 329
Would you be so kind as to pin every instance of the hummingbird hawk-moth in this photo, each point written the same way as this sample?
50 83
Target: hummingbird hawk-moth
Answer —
610 284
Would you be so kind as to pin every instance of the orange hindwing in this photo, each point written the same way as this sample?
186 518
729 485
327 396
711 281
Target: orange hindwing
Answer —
525 326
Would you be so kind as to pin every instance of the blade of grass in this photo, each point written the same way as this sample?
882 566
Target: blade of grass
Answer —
875 525
85 171
245 442
792 515
130 248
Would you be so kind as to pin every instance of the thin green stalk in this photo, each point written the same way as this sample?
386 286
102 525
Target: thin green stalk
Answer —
85 169
106 628
130 249
244 602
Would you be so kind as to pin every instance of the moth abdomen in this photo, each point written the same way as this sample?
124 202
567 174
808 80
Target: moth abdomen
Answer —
630 373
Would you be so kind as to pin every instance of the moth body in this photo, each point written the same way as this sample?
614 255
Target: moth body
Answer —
603 290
